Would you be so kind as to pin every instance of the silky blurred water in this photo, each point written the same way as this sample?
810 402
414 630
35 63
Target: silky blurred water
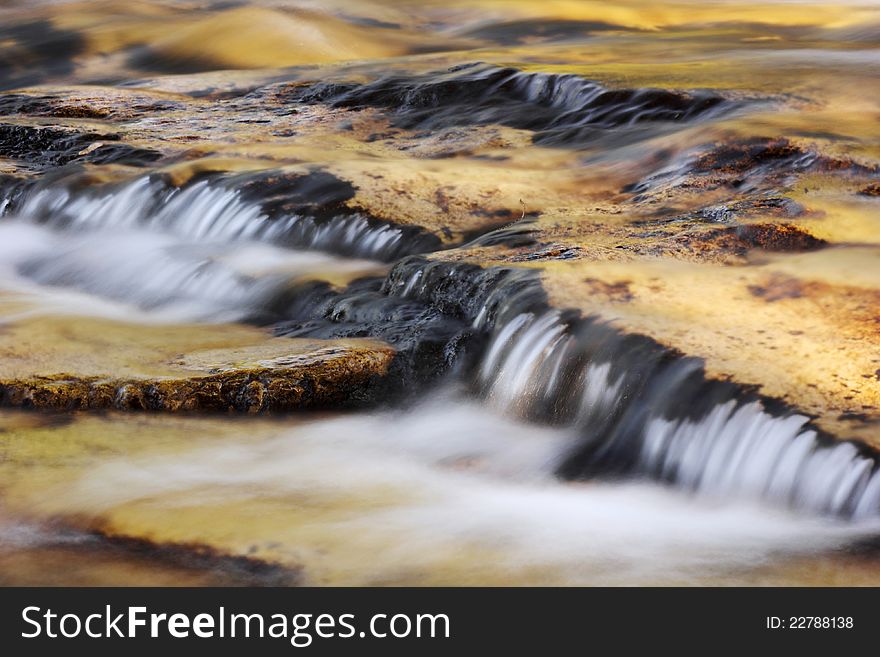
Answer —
461 486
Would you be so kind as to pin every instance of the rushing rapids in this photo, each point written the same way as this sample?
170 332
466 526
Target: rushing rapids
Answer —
577 294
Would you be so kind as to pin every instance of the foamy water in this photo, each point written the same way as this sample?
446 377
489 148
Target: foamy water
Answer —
422 488
206 212
139 275
736 449
464 490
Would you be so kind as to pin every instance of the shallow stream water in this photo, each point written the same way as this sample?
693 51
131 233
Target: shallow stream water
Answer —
555 450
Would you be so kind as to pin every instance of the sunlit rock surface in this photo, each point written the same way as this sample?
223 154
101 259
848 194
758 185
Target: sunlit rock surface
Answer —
179 368
699 175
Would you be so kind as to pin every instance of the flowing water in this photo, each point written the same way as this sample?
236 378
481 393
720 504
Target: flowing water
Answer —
519 442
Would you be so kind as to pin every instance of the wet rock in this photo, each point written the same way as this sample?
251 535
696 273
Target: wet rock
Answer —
91 103
318 193
463 290
768 237
435 314
563 110
429 344
748 165
24 104
325 200
515 234
97 558
776 207
207 561
546 253
48 146
742 156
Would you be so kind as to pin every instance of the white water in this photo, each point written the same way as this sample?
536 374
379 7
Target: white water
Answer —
737 451
204 211
448 479
575 97
144 276
742 451
546 102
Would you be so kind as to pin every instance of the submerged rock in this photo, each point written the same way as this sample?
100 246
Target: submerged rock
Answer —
92 557
767 237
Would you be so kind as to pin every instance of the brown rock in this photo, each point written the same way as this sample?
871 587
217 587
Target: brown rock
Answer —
128 367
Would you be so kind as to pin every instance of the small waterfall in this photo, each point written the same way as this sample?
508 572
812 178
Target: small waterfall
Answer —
740 450
154 273
172 278
212 210
208 251
562 109
640 410
643 411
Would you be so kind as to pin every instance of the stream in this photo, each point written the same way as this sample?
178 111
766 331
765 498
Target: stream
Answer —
515 440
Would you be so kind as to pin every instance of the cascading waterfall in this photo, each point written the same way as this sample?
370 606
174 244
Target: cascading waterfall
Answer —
155 273
299 293
640 410
170 278
741 450
209 210
205 251
649 417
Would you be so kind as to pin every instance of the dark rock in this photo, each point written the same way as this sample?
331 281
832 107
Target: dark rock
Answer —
47 146
564 110
871 190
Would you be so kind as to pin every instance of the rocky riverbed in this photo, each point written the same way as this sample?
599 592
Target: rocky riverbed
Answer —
580 260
